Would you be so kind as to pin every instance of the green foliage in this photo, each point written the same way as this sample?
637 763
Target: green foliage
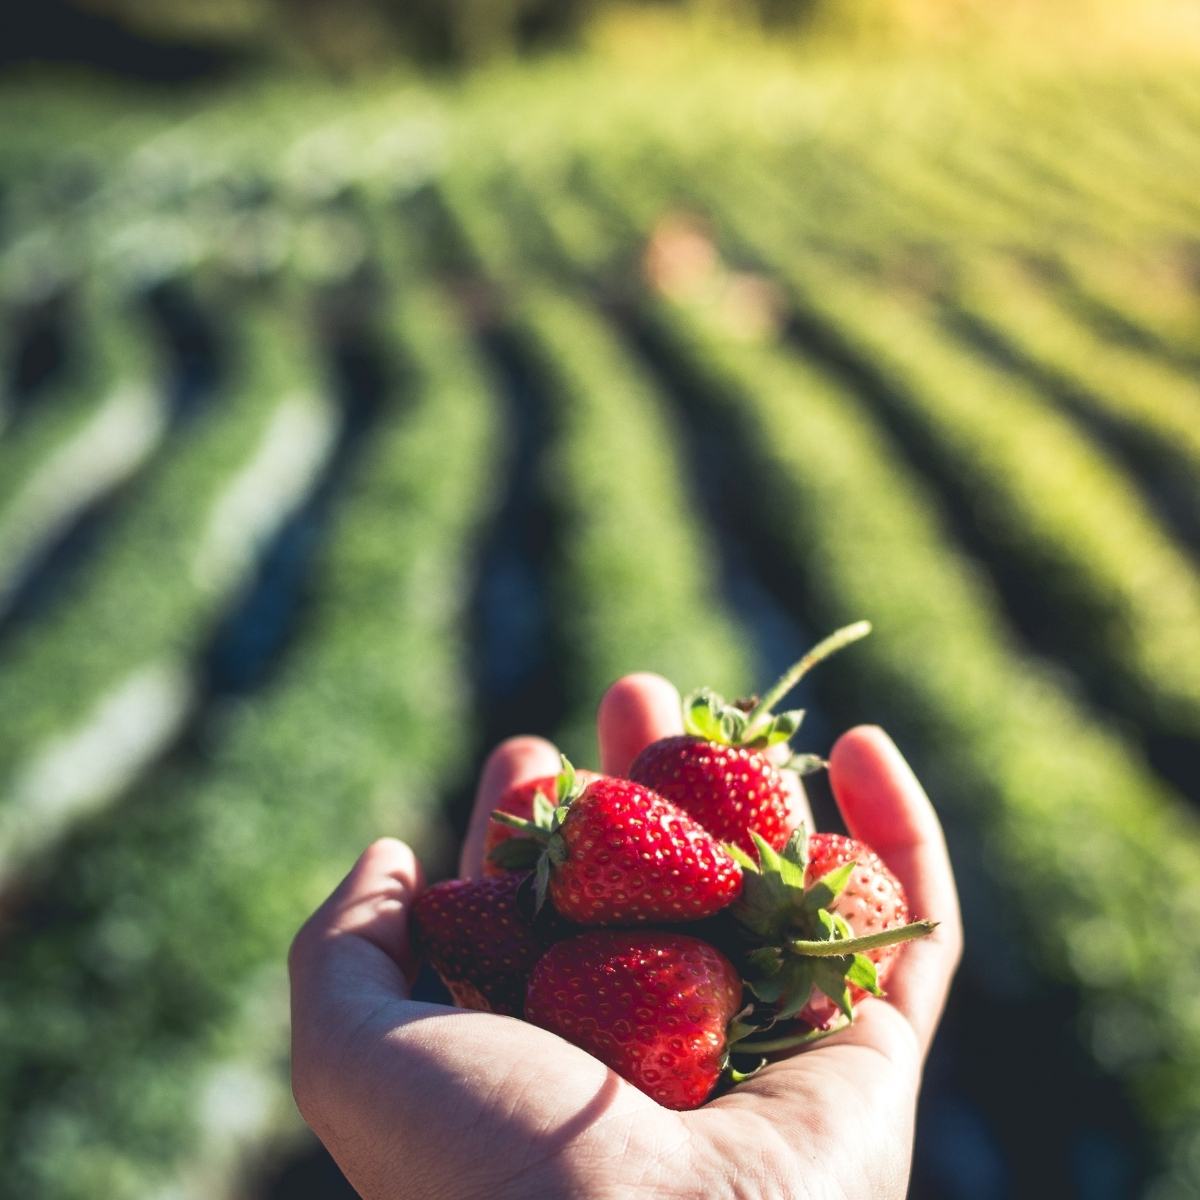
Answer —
1146 300
635 577
1053 795
876 202
638 581
1060 803
1122 601
153 995
102 686
354 33
79 444
1153 407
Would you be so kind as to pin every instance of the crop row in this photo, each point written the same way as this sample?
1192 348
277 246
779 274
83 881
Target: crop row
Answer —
1150 405
1146 298
139 1032
1124 279
1040 153
1057 330
925 187
1110 590
97 689
1126 265
105 416
142 1024
636 579
1117 597
936 159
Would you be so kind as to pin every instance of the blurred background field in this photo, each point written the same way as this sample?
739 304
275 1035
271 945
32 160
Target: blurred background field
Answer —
380 380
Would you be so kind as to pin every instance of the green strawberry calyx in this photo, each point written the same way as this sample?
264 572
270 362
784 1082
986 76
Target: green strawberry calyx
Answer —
745 1041
542 847
798 944
751 723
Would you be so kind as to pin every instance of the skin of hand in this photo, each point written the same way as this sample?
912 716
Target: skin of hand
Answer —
423 1102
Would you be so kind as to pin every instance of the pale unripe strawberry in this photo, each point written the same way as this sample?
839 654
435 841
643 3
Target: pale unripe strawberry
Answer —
871 902
825 921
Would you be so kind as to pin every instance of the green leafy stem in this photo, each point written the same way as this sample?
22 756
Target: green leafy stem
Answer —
843 947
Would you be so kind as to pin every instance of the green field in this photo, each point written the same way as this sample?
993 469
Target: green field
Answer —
916 341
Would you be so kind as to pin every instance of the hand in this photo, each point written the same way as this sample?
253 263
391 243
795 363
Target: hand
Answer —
431 1103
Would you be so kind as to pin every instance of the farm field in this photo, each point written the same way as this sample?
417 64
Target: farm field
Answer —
346 430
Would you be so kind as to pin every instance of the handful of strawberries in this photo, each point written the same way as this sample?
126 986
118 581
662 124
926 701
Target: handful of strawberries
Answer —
679 925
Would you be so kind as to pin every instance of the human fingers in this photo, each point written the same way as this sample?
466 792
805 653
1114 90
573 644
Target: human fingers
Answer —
793 1115
885 806
427 1101
351 956
635 711
423 1100
370 903
514 761
876 1063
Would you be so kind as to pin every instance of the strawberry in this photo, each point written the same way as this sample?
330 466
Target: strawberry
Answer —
826 919
731 790
722 773
482 939
871 902
616 853
654 1006
519 801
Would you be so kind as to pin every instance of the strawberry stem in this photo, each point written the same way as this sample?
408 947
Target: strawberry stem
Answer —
529 828
787 1043
843 947
788 680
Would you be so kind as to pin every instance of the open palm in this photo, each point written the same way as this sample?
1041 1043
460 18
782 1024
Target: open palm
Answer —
426 1102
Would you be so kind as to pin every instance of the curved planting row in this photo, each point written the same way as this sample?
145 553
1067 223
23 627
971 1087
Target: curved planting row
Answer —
1148 403
97 689
75 446
912 195
1145 297
1038 164
639 583
1093 337
1119 599
1125 603
142 1026
636 581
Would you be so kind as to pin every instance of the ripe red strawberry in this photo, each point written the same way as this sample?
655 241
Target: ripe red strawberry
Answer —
827 919
617 853
518 801
731 790
482 939
722 772
653 1006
